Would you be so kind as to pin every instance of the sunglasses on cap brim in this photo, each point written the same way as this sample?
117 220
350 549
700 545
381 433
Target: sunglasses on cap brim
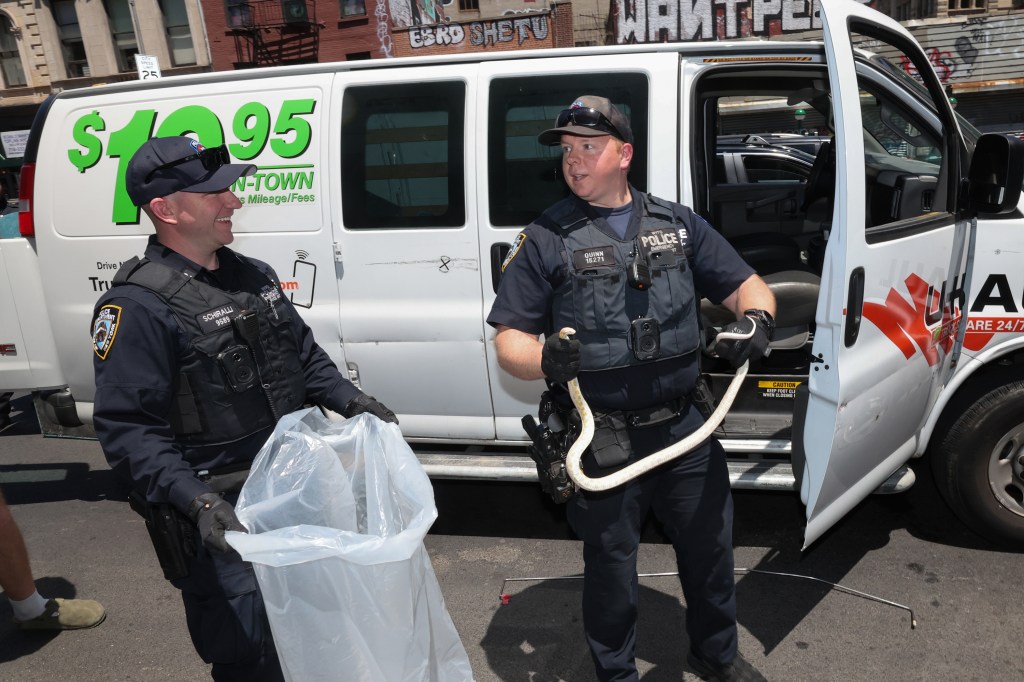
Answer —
588 118
212 158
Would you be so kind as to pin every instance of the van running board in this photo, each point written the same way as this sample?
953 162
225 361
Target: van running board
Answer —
743 474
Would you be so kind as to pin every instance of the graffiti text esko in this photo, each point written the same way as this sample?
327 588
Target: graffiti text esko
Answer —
444 34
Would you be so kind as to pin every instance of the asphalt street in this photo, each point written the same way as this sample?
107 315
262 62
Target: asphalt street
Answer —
494 538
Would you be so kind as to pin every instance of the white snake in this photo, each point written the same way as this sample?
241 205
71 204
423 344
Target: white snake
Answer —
642 466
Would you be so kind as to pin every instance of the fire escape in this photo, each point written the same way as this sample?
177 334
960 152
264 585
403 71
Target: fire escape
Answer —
273 32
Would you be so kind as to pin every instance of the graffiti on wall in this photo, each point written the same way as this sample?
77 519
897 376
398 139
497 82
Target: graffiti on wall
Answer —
649 21
383 30
978 49
482 34
941 60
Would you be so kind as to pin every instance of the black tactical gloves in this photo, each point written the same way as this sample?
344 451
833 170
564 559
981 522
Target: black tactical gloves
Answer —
367 403
214 515
560 359
737 351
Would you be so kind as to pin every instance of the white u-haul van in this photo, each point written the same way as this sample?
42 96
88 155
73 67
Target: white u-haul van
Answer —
388 193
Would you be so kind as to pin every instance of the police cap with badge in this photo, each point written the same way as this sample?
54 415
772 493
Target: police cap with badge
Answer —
165 165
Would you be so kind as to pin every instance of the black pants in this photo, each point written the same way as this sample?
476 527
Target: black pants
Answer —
227 619
692 499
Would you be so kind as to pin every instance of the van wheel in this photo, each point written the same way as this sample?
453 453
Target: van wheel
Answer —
979 465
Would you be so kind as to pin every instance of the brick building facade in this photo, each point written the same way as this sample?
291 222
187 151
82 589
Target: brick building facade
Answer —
527 31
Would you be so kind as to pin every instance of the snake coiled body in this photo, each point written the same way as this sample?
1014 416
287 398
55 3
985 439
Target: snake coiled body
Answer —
628 473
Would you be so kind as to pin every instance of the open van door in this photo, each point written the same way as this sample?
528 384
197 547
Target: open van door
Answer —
893 284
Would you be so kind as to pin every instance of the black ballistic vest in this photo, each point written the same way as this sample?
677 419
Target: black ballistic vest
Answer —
213 404
596 298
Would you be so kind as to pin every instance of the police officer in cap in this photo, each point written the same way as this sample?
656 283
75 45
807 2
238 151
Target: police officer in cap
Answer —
198 353
622 268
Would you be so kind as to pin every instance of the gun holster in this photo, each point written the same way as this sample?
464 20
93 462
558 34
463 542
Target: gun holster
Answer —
171 533
549 448
703 397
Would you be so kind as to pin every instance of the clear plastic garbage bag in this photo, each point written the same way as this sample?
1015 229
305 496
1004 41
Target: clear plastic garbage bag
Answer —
337 513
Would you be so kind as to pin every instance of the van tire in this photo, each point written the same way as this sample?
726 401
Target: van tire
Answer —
979 465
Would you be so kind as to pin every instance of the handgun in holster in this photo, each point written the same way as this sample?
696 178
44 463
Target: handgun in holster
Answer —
703 397
171 533
548 450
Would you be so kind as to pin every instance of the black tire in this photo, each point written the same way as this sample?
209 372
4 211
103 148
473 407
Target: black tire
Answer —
979 465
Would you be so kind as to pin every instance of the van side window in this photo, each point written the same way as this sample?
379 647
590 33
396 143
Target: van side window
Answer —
525 176
402 156
904 162
910 171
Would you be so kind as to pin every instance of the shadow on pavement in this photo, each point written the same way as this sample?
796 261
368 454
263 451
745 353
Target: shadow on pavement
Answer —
34 483
538 636
28 482
770 607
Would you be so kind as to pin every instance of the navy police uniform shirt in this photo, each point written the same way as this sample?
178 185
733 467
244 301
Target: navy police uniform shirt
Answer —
536 267
136 359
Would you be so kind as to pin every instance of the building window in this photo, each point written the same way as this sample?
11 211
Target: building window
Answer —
72 47
353 8
238 13
10 55
966 5
179 35
469 5
122 29
357 56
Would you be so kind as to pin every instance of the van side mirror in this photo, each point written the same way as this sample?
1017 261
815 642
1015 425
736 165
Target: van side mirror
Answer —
996 175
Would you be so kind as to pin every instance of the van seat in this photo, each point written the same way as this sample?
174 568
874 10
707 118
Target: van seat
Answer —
796 300
768 252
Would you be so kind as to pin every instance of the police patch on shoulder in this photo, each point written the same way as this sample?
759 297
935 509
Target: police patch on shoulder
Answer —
520 238
104 329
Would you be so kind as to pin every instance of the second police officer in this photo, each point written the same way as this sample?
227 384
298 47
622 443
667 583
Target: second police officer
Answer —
198 353
622 268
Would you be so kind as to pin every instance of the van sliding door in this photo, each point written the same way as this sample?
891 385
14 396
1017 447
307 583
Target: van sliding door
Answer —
408 259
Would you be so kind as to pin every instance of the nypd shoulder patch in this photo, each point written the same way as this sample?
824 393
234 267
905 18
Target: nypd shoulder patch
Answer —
104 329
520 238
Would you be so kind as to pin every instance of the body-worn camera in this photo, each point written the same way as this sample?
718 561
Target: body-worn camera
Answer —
645 334
239 368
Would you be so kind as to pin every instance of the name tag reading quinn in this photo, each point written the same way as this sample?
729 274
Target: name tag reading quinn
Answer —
215 319
596 257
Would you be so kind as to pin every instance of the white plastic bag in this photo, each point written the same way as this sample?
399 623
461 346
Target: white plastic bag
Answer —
337 513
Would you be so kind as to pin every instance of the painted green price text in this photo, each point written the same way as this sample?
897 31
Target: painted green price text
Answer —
289 134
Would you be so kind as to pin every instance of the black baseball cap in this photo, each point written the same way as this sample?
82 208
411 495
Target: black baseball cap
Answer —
588 116
165 165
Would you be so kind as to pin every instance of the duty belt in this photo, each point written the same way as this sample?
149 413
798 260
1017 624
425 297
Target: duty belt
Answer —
647 417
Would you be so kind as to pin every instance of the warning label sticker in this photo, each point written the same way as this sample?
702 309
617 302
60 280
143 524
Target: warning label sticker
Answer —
778 389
